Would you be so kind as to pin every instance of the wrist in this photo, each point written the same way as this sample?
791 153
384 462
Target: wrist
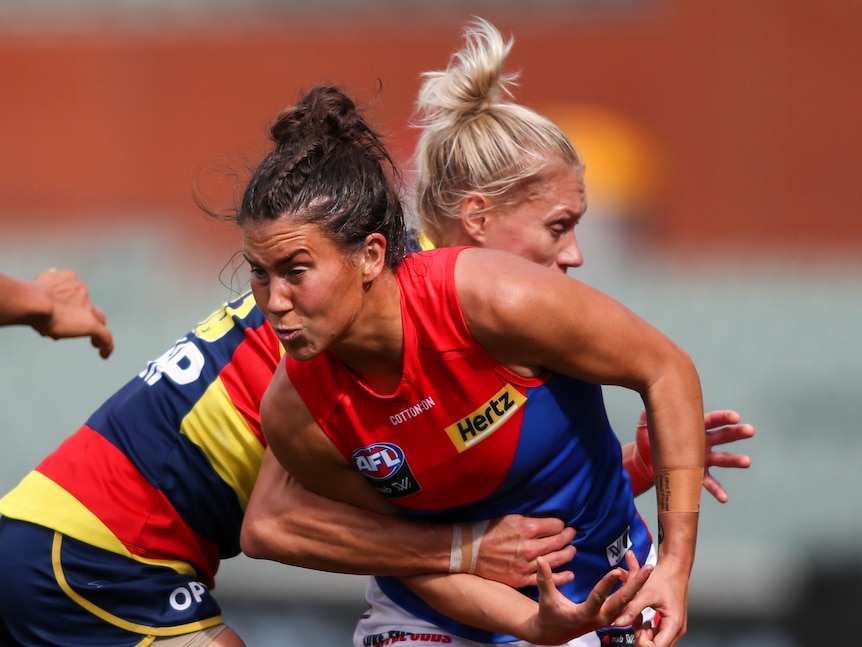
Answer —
466 541
678 490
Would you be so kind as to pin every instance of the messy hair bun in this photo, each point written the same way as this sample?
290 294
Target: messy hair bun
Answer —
328 167
474 138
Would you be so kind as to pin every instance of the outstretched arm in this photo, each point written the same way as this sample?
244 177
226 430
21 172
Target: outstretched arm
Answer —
56 305
722 427
285 522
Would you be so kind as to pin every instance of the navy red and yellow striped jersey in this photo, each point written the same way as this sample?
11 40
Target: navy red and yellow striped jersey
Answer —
163 470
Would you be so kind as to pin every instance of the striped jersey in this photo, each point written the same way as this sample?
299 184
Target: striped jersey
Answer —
163 470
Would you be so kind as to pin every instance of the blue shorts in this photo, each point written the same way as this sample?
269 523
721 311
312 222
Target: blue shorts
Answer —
59 591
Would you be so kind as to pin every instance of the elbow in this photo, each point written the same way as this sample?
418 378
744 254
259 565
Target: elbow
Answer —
252 539
272 539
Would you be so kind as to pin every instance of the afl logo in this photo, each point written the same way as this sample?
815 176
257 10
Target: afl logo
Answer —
385 465
379 461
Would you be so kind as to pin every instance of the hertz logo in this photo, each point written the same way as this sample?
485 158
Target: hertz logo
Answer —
485 420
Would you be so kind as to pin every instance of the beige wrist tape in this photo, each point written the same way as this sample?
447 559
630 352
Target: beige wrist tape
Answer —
466 540
678 490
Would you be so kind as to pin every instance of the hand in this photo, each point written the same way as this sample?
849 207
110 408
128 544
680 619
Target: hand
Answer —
721 427
559 619
73 314
511 545
667 594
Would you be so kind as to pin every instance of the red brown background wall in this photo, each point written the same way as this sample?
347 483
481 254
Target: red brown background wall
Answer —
754 105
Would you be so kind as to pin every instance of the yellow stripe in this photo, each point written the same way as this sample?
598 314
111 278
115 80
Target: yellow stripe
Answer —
220 322
116 620
217 427
39 500
424 242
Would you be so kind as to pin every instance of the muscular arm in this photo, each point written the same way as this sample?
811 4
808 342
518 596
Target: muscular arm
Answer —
285 522
585 334
314 532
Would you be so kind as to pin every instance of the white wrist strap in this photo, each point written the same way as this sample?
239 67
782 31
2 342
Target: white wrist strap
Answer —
456 555
466 541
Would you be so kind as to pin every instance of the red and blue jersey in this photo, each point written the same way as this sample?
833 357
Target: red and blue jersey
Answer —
464 438
163 470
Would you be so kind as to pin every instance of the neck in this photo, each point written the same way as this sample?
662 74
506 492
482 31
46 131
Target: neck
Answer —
374 348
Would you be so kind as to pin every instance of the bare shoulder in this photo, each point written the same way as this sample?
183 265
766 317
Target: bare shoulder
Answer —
497 289
529 316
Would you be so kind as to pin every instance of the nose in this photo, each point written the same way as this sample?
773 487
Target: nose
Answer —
570 254
279 299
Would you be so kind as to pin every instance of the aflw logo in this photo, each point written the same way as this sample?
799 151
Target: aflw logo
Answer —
485 420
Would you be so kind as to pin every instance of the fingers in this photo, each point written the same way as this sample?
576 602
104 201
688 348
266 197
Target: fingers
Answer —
644 633
729 434
720 418
536 527
555 552
600 603
636 578
560 578
545 581
103 340
715 488
102 337
512 543
726 459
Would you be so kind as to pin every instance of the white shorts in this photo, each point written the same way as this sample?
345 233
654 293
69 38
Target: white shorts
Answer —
386 624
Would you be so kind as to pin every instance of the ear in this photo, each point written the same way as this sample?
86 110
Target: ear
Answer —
373 257
474 220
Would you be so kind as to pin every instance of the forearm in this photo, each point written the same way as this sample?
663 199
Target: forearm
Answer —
22 303
340 538
287 523
676 426
553 620
478 602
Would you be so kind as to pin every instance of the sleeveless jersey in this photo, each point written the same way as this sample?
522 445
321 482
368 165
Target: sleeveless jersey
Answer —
163 470
464 438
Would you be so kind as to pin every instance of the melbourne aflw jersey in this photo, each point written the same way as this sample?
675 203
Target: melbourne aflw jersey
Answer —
463 438
162 472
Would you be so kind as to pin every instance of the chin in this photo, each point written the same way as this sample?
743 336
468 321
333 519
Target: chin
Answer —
301 352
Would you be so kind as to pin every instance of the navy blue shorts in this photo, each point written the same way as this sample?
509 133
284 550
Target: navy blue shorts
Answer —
59 591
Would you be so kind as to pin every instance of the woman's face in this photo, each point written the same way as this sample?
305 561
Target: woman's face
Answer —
308 289
542 228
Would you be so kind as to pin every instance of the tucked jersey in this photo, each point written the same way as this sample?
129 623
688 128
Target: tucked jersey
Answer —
163 470
464 438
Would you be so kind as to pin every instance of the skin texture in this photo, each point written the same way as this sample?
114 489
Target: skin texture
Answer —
56 305
541 229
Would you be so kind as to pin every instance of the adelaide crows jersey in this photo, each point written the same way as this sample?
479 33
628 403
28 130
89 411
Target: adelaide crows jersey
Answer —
464 438
163 470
